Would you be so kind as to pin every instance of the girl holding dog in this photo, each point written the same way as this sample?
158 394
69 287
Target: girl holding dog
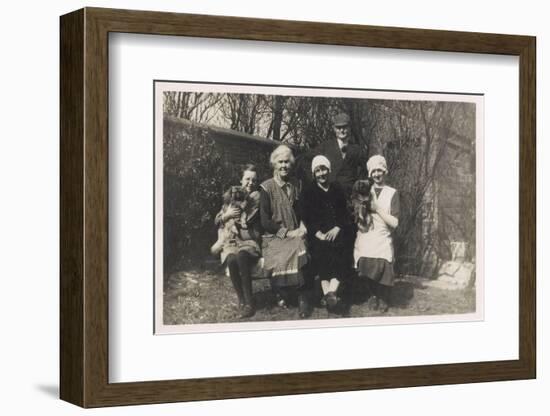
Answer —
241 254
373 251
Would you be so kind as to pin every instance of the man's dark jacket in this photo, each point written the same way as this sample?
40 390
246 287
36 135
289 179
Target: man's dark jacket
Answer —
345 170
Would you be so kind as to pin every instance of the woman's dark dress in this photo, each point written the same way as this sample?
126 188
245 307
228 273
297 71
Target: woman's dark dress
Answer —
322 210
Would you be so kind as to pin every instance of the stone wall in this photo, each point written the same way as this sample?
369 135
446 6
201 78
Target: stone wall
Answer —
456 196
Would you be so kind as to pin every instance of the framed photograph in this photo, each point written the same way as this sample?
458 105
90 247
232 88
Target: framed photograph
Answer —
258 207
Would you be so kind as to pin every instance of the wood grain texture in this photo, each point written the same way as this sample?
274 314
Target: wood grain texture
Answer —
84 206
528 208
225 27
96 219
71 100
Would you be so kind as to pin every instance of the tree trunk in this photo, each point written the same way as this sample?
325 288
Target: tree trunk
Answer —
278 102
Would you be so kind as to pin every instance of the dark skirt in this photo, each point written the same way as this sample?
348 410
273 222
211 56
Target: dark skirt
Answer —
329 259
379 270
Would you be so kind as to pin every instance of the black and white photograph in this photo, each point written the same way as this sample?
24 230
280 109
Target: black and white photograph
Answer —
281 207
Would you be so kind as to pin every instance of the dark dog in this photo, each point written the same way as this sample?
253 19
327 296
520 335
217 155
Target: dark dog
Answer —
361 203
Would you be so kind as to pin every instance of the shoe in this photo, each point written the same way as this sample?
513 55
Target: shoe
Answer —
331 299
383 305
247 311
373 303
345 310
281 303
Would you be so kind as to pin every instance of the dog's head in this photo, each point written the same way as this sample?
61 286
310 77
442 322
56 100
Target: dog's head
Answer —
361 191
234 195
361 197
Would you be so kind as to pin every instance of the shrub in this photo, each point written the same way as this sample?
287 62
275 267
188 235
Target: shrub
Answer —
194 176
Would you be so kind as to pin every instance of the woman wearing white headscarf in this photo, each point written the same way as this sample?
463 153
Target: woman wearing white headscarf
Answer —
373 251
327 220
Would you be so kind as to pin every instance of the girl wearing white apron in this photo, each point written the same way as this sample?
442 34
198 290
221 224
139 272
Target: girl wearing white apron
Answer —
373 250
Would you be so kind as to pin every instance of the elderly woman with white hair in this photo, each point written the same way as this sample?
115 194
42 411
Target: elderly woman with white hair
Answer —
373 251
283 242
328 223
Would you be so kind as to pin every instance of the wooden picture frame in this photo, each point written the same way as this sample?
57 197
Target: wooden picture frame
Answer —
84 215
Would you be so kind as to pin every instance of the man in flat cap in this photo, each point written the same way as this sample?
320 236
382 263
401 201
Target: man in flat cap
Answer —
347 159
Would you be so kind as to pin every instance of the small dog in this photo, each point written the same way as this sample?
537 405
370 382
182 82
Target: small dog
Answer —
361 203
234 197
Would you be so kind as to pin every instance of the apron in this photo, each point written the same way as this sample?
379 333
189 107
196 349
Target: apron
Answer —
377 242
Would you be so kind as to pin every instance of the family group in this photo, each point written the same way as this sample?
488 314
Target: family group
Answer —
321 234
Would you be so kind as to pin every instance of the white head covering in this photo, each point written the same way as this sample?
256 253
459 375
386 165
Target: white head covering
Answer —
319 160
377 162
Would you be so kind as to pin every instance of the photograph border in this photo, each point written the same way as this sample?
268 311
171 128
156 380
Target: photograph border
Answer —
84 214
160 328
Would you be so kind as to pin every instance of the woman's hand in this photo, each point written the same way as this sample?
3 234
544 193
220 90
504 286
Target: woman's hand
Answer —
332 233
291 234
282 233
320 236
232 212
298 232
302 230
